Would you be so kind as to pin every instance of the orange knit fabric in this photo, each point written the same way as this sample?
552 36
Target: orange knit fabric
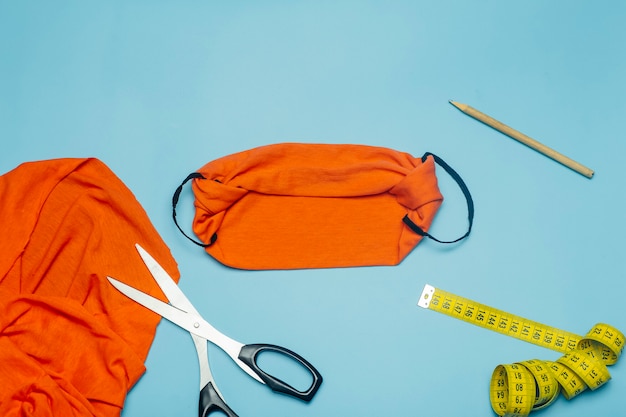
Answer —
70 343
295 205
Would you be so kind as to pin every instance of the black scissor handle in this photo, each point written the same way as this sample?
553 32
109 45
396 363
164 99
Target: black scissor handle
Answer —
211 401
248 355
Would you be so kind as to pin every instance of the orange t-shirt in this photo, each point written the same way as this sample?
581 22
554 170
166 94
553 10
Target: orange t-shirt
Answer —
70 343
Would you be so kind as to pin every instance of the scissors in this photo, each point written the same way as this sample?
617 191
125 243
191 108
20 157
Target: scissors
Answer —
181 312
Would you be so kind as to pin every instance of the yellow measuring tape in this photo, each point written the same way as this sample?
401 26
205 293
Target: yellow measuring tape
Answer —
520 388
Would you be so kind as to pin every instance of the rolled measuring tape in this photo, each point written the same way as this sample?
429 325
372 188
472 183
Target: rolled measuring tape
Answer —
519 388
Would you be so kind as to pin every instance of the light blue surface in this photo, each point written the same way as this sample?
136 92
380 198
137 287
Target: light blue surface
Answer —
157 89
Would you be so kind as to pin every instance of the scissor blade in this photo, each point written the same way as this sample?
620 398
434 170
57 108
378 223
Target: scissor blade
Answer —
180 311
173 293
191 322
173 314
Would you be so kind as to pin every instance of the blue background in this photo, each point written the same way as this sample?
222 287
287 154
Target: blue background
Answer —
156 89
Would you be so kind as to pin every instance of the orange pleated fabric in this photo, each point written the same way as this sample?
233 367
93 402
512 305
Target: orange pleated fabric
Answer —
70 343
297 205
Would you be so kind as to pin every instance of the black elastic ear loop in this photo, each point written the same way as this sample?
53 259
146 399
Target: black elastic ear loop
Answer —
466 193
175 198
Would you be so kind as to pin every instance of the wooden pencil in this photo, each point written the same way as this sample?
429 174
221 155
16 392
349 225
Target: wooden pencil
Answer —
528 141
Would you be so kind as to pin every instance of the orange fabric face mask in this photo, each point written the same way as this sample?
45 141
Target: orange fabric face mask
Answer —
70 343
294 205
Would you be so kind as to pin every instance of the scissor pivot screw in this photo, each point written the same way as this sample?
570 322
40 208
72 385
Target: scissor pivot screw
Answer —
196 325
